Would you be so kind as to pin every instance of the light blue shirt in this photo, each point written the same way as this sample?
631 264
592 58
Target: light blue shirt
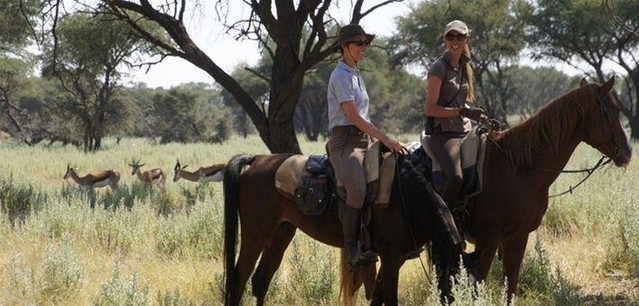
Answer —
345 84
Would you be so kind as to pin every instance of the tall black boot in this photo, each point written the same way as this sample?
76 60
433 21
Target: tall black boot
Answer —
351 219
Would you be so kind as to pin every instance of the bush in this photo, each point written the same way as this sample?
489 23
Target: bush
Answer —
119 291
315 272
537 281
60 275
18 201
62 272
174 298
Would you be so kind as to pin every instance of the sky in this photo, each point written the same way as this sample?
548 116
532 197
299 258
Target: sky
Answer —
226 52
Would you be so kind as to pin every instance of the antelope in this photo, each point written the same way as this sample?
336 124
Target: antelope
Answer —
95 179
153 177
213 173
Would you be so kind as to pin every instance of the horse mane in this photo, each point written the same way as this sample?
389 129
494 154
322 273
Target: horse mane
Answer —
550 126
421 202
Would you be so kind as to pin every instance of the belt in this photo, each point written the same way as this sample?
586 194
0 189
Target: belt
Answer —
348 129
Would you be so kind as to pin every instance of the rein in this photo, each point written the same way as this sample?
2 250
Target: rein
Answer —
602 162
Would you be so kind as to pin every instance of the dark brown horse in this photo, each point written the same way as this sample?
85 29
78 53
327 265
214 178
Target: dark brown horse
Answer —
523 161
415 217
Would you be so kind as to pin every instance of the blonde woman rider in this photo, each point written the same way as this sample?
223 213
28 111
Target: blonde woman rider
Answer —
449 92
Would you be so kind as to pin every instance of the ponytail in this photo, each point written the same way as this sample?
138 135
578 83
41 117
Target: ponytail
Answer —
468 74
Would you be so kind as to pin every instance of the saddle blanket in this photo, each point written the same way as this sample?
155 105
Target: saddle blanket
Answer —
380 170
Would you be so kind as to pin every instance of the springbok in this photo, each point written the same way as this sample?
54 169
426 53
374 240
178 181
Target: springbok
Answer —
153 177
213 173
95 179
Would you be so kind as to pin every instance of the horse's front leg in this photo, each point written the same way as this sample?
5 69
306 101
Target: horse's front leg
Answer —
378 294
513 255
271 259
389 278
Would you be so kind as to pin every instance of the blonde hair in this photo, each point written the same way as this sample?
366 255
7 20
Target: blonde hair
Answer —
468 71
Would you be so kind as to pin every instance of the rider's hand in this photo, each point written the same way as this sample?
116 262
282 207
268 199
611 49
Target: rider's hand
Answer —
495 124
393 145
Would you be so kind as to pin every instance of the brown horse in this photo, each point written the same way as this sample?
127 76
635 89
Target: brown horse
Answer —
415 217
523 161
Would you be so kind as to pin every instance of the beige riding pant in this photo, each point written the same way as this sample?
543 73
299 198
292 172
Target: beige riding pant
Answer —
346 149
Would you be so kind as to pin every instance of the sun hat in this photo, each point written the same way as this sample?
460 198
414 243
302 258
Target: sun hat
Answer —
456 25
352 32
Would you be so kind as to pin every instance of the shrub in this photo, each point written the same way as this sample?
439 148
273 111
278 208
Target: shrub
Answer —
538 282
198 234
60 275
312 279
18 201
534 277
119 291
62 272
174 298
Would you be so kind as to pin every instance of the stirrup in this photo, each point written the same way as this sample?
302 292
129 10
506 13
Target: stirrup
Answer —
363 259
414 253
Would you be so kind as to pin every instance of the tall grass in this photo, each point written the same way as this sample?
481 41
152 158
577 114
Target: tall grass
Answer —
141 246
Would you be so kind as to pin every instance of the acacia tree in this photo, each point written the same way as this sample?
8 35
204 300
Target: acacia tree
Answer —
15 62
395 94
300 41
87 60
190 113
591 33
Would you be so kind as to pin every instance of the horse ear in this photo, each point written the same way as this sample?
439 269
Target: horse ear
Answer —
607 87
583 82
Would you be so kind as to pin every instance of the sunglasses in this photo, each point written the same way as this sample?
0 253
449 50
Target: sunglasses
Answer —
458 37
361 43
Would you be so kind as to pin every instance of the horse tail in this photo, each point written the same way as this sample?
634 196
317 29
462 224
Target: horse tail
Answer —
231 210
349 281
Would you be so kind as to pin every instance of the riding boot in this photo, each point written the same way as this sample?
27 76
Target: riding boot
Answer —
351 219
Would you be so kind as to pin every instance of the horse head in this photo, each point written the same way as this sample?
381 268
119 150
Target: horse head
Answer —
604 131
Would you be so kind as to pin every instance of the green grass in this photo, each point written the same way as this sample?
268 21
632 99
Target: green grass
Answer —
146 247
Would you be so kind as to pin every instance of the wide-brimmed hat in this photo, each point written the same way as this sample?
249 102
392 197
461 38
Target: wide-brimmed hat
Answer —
350 33
456 25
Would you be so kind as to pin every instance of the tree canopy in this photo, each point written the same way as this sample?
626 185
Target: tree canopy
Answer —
284 94
300 40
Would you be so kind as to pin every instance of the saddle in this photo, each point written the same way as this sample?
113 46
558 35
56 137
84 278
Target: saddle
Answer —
473 155
309 180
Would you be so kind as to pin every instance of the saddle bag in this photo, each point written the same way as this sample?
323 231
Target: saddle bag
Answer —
316 190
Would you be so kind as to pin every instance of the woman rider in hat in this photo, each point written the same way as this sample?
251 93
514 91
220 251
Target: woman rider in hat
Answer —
450 90
351 131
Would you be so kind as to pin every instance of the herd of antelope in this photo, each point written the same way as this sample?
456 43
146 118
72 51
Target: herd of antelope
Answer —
154 177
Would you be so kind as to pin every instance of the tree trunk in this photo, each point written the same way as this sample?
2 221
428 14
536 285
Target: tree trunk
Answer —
286 89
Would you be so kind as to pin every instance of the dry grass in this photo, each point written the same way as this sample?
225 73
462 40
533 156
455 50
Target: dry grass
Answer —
176 256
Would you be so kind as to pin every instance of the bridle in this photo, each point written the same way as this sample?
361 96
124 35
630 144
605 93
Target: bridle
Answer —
605 117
